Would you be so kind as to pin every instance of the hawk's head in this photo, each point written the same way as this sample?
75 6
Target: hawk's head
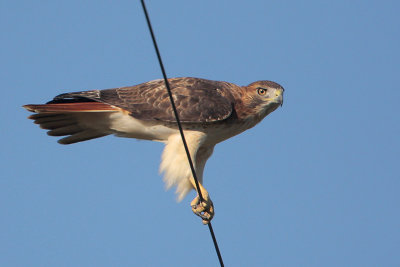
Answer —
259 99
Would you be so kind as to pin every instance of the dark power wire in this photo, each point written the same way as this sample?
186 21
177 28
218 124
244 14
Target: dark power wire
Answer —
180 127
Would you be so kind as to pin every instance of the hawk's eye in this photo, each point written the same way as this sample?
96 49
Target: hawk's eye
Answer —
261 91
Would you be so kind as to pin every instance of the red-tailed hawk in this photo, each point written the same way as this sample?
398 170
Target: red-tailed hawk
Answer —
210 112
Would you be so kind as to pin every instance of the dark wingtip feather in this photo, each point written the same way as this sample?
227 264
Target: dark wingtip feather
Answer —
80 137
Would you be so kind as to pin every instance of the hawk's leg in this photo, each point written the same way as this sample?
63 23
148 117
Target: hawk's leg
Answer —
204 209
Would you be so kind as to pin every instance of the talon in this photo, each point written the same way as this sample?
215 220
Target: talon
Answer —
203 209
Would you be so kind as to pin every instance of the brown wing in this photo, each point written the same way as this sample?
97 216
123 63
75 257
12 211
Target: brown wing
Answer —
197 100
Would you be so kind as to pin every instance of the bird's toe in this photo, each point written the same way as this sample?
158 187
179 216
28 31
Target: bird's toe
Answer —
203 209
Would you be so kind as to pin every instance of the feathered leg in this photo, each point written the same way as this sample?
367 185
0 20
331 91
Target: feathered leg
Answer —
205 208
177 171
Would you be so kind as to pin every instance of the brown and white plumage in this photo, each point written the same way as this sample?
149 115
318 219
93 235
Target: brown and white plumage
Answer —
210 112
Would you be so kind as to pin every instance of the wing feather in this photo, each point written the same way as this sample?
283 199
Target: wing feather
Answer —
197 100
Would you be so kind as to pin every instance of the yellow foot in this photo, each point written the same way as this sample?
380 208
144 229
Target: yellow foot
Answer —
204 209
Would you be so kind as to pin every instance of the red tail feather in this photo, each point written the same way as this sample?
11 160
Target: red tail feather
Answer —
71 107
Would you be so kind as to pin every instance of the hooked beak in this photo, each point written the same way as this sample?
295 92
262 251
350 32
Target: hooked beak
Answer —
279 96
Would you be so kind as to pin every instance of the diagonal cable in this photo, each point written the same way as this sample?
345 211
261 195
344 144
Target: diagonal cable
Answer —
180 127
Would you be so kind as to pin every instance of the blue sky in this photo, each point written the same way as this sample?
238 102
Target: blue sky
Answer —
315 184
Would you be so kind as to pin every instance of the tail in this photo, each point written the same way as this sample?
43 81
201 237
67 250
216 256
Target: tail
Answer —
78 121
